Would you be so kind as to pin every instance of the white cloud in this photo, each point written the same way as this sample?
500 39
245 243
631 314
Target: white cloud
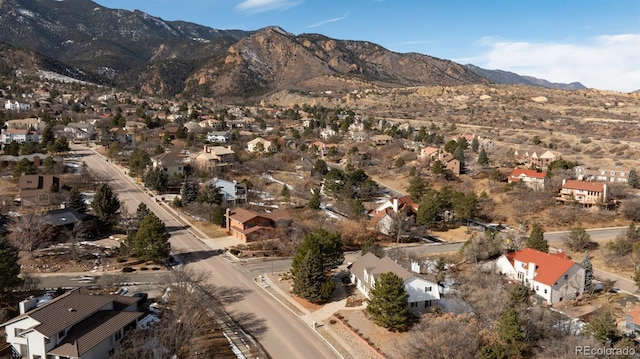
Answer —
258 6
608 62
323 22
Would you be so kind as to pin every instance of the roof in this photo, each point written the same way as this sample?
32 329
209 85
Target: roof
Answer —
547 154
635 316
376 266
39 182
584 186
168 157
62 217
69 309
257 140
428 151
549 267
92 331
244 215
16 131
519 173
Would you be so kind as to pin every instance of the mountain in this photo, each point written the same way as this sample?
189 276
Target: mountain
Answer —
145 53
511 78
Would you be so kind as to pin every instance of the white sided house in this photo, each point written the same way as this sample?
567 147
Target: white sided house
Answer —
554 277
368 268
74 325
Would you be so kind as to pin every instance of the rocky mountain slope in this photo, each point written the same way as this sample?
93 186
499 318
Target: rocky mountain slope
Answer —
149 54
511 78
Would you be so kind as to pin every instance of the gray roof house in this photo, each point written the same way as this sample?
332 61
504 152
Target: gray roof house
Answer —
76 324
366 270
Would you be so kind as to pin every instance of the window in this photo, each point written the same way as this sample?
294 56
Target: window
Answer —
23 349
427 303
17 332
566 276
36 356
413 304
118 335
61 334
47 340
428 289
545 291
537 288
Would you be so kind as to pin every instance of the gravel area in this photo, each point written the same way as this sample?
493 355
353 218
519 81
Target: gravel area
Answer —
389 343
351 346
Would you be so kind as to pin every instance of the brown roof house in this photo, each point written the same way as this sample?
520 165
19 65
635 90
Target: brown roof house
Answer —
450 163
249 226
215 157
76 324
586 194
39 190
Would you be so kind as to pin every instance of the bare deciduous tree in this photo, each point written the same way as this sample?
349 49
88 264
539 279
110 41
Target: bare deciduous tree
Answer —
30 232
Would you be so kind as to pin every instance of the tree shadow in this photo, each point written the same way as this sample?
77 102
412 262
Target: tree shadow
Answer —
175 228
250 323
229 295
193 257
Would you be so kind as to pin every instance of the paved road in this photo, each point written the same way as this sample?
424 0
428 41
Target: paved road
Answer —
281 333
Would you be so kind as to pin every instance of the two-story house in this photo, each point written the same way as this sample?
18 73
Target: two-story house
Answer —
322 149
450 163
233 192
169 162
76 324
260 145
530 178
587 194
428 153
249 226
39 190
215 157
18 135
79 131
386 216
366 270
16 106
553 277
219 136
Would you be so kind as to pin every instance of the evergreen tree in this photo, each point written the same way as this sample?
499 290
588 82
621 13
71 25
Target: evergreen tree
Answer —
9 267
24 166
141 211
633 180
603 328
307 282
285 192
417 188
188 192
76 200
210 194
483 160
49 165
321 167
315 201
151 241
588 272
510 330
106 205
536 239
388 303
577 239
48 137
138 162
156 179
330 247
61 144
437 168
219 216
475 144
459 155
12 149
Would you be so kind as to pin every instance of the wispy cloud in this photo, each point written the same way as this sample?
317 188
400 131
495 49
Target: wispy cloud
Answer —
335 19
608 62
258 6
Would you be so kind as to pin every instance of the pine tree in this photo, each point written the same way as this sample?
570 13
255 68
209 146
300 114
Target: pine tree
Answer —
285 192
138 162
106 205
156 179
49 165
588 272
536 239
330 248
141 211
76 200
219 216
417 188
603 328
483 160
388 303
188 192
510 330
634 180
9 267
475 144
310 276
151 242
314 202
210 195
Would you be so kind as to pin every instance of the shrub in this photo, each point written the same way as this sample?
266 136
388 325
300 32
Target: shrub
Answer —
128 270
155 268
121 260
144 268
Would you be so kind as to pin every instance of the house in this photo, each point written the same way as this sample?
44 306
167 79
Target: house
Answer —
428 153
359 136
632 322
450 163
16 106
322 149
38 190
133 126
27 123
219 136
399 204
380 140
611 176
79 131
530 178
18 135
233 193
260 145
249 226
210 123
543 160
327 133
76 324
587 194
553 277
84 225
215 157
367 269
386 216
122 136
169 162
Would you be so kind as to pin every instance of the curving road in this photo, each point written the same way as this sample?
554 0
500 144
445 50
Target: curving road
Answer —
280 332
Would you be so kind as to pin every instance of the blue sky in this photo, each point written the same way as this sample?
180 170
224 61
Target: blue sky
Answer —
596 42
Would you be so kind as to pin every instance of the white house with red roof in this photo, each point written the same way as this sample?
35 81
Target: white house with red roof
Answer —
587 194
530 178
385 217
553 277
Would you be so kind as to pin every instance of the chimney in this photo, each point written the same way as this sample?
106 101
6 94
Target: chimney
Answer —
36 161
395 204
28 304
415 266
564 180
228 215
229 148
531 271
